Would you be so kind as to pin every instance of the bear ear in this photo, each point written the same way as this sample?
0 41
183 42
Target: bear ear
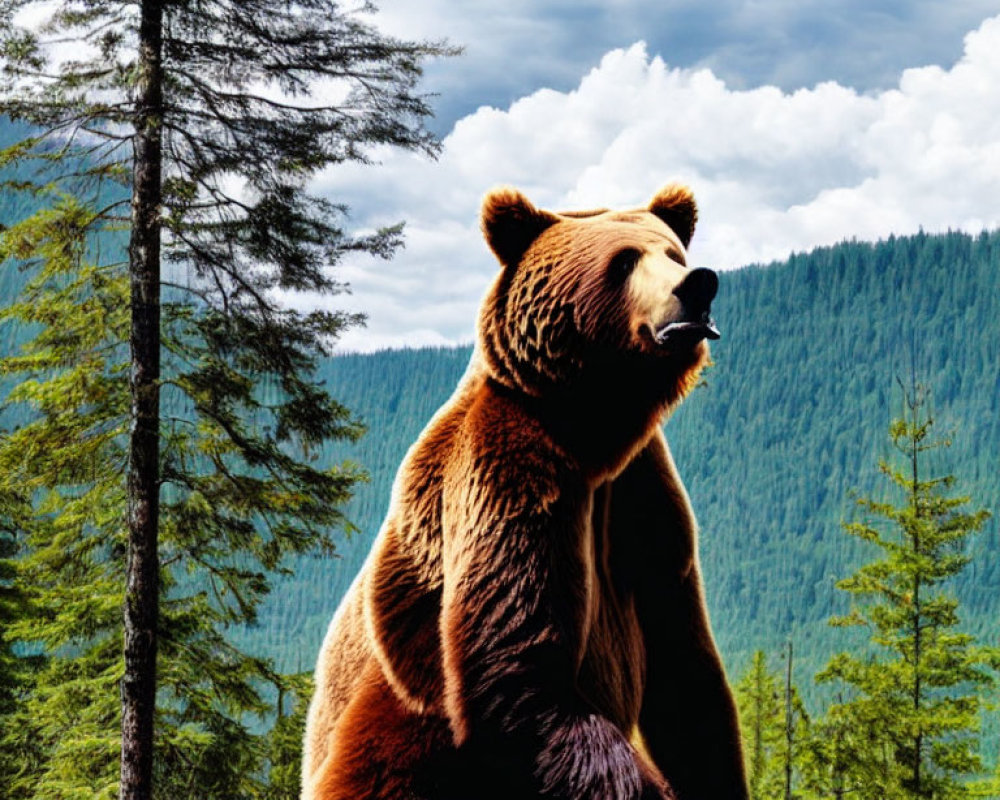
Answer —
675 205
511 223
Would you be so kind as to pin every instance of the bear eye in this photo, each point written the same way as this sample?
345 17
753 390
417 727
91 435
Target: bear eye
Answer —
675 255
623 262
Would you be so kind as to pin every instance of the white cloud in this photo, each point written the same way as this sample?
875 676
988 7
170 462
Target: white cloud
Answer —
773 172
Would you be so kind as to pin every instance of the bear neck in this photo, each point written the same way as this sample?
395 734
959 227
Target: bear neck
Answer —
603 417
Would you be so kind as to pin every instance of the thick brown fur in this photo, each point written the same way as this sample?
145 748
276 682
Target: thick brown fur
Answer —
530 621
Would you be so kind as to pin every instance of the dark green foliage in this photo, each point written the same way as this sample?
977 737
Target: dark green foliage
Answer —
60 463
15 668
67 456
794 416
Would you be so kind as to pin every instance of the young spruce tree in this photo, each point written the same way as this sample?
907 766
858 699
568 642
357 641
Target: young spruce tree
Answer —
912 712
172 406
774 723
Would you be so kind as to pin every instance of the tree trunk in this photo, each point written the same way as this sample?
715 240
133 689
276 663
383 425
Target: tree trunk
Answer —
917 610
138 686
758 732
789 725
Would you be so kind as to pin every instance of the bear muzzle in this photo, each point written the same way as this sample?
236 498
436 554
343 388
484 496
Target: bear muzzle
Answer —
695 294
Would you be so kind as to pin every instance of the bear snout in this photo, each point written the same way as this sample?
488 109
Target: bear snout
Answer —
698 289
692 322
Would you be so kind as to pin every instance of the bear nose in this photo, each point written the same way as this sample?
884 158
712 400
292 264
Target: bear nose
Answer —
698 288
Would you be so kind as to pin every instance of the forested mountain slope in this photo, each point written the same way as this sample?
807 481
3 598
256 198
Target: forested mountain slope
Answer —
793 417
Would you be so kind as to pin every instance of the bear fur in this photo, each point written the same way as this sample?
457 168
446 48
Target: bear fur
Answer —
531 621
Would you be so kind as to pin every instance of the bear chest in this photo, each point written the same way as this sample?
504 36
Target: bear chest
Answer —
612 670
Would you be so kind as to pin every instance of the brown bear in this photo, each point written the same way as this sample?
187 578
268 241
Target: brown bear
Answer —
531 621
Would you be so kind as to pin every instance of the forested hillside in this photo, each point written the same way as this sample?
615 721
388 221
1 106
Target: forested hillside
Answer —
793 417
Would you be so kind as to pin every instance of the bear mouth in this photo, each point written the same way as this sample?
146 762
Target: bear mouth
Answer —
688 332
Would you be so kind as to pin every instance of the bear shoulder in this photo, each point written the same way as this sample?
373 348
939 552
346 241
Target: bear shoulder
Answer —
503 453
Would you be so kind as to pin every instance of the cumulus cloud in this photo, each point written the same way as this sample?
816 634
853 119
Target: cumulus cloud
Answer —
774 172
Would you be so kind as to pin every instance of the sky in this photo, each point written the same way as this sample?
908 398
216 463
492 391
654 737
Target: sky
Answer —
797 123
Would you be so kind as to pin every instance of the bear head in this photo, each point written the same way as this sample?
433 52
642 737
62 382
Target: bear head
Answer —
595 296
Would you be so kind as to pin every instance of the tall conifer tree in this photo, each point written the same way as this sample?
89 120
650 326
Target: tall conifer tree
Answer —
186 389
915 697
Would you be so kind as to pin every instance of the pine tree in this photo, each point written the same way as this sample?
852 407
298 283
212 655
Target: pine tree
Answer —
68 455
175 409
758 698
915 696
760 719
